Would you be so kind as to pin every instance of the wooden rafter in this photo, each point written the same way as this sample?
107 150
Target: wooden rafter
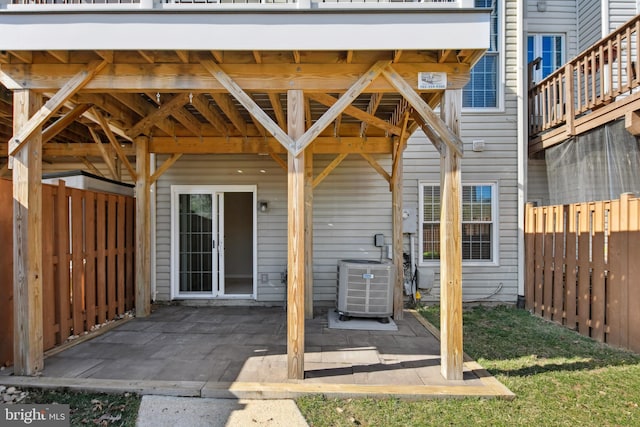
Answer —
296 56
106 55
114 143
108 160
248 103
60 55
147 56
330 167
22 55
201 103
110 105
232 112
372 107
421 107
164 167
376 166
137 104
52 106
278 110
186 119
218 56
64 121
443 55
396 56
357 113
257 56
90 166
307 113
165 110
398 150
349 58
183 55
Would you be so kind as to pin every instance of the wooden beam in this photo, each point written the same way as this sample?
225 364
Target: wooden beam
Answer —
279 161
274 98
114 143
186 119
375 165
256 145
52 106
164 167
632 122
218 56
451 351
143 229
91 166
396 171
80 149
357 113
165 110
248 103
257 56
106 55
308 234
201 103
330 167
345 100
307 113
108 160
296 246
396 56
116 111
23 55
423 109
64 121
296 56
349 58
28 353
262 78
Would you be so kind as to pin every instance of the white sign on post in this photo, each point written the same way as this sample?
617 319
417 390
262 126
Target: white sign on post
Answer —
432 80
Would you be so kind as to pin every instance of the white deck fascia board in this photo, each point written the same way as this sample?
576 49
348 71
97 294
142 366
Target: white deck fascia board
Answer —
320 30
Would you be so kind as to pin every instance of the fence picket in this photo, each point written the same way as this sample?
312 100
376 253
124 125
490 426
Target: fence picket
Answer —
558 265
529 247
548 263
633 269
111 258
598 273
571 264
120 227
617 278
77 262
63 277
539 261
49 324
584 269
90 258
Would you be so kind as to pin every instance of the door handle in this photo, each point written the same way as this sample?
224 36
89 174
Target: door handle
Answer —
213 244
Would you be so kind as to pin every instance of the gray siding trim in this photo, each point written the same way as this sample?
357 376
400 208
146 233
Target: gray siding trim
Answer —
589 21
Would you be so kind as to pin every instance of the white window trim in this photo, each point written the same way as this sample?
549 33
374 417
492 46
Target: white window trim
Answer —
501 83
495 244
537 46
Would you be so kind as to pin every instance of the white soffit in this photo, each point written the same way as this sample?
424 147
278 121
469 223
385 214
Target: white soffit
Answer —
343 30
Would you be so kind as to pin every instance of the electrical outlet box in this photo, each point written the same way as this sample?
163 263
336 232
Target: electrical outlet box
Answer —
378 240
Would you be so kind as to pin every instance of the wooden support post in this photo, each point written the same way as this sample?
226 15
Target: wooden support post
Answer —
27 238
308 234
296 246
143 228
451 351
396 202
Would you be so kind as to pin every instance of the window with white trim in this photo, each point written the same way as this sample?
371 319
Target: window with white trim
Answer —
482 89
549 47
478 222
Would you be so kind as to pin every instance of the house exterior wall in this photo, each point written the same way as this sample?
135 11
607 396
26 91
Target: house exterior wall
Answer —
351 205
620 11
589 21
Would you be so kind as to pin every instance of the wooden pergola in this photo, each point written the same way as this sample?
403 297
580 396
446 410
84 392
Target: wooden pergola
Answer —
93 106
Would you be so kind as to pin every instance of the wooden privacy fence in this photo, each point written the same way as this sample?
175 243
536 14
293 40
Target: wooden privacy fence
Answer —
87 261
583 268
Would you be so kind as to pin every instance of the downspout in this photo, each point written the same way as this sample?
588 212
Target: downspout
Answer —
522 141
152 203
604 19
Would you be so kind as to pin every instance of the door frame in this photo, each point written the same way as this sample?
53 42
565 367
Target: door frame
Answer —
176 190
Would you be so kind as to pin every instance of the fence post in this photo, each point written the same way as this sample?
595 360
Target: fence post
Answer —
529 248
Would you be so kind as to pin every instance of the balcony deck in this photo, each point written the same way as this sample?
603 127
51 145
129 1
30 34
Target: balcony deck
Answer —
599 85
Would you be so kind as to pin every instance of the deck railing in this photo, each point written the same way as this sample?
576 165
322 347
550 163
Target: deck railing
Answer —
595 78
582 268
153 4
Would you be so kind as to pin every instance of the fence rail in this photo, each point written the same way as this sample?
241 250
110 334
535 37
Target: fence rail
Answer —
582 268
87 261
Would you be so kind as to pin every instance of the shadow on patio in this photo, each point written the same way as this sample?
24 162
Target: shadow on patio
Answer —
241 352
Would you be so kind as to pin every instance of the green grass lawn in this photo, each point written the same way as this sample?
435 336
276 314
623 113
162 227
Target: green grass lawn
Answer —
559 377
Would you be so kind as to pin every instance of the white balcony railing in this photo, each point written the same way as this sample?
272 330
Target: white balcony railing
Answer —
172 4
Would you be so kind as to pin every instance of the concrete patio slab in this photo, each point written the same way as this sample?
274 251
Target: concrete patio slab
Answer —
240 352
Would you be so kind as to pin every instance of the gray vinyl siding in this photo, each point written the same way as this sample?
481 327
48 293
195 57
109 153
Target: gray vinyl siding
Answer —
351 205
620 11
589 23
496 164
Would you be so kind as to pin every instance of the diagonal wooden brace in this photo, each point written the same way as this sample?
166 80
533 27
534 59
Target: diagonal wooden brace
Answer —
423 109
52 106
